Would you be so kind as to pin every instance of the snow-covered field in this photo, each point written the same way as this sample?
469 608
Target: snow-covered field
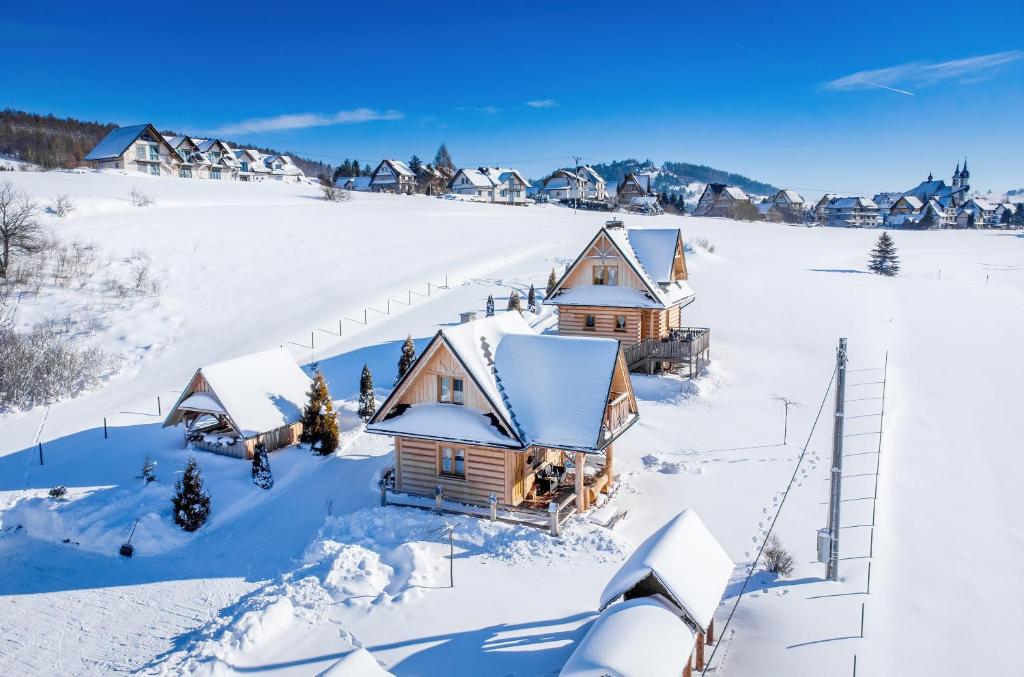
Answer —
289 581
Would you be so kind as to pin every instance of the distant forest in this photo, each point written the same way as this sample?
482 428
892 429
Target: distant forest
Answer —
52 142
675 174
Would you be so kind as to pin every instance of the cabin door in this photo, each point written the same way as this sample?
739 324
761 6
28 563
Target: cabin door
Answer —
518 477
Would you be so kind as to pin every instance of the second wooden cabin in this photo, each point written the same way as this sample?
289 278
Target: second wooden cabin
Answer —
493 408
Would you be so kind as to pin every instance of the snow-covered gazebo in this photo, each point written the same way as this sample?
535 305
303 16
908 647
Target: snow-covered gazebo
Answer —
684 565
228 406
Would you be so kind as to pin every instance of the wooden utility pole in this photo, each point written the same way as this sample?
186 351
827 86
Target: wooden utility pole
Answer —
836 488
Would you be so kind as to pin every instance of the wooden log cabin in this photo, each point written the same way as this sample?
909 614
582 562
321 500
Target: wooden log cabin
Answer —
630 284
493 408
229 406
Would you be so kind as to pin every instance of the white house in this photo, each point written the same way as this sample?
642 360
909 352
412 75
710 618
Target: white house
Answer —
139 148
393 176
852 212
491 184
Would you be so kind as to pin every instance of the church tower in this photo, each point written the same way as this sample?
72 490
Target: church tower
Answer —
956 176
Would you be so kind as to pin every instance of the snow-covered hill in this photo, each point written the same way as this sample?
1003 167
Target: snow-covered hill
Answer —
288 581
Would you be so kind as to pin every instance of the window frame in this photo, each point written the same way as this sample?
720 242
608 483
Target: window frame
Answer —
457 455
589 322
455 384
625 323
605 280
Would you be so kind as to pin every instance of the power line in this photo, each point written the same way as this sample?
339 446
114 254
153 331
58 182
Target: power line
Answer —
771 527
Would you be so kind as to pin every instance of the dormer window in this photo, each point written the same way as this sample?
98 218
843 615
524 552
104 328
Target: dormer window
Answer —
606 275
451 390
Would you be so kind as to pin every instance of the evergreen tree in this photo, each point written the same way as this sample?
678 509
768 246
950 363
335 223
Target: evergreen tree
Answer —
443 158
261 475
319 420
1005 219
191 503
514 303
148 470
367 403
884 260
531 299
354 168
367 170
490 306
407 358
552 281
416 165
1018 215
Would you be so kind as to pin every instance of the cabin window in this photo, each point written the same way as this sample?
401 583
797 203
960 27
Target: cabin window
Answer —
145 151
451 390
154 170
620 323
606 275
245 166
453 462
215 173
185 173
590 322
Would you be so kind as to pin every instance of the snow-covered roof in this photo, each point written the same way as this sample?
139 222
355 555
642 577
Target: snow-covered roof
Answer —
912 200
358 182
655 248
685 561
359 663
641 636
735 193
852 203
400 167
116 142
258 392
791 196
476 178
549 390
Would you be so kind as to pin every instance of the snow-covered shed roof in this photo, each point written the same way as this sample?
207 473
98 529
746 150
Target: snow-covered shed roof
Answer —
681 561
638 637
476 177
358 663
651 253
547 390
117 141
259 392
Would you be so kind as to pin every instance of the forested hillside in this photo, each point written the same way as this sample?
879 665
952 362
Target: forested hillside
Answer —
52 142
673 175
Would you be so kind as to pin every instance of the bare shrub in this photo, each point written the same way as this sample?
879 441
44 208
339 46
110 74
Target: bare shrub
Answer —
777 559
334 194
140 199
62 205
59 492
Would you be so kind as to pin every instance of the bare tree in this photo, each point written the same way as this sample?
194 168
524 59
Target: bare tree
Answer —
19 231
62 205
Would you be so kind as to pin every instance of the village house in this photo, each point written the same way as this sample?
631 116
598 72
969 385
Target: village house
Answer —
976 213
491 184
633 186
789 206
1003 212
819 207
192 163
905 210
563 184
594 185
952 196
393 176
852 212
229 406
670 588
630 284
359 183
885 202
140 148
252 165
491 408
718 199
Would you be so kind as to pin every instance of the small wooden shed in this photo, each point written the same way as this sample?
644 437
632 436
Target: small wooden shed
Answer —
228 406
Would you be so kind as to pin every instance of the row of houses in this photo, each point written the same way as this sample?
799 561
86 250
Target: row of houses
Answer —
142 148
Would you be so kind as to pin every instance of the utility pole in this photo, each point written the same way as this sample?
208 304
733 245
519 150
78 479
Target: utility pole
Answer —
785 421
576 159
836 488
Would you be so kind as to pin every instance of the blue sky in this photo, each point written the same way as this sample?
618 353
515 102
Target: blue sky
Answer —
857 98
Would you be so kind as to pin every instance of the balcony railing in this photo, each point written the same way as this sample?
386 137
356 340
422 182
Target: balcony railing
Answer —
682 345
617 413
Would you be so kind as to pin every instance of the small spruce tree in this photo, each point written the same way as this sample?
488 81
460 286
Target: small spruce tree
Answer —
191 503
415 164
319 420
367 403
261 475
490 306
148 470
514 303
406 359
884 260
552 281
531 299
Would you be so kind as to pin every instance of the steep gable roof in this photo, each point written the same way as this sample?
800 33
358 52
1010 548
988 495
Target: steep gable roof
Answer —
117 141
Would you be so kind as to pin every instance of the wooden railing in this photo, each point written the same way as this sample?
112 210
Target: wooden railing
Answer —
688 343
617 412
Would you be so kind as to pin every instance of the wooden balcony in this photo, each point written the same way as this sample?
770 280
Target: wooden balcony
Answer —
617 413
682 346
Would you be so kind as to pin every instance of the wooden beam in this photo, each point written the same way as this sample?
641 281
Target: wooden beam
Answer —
711 632
700 651
580 460
609 458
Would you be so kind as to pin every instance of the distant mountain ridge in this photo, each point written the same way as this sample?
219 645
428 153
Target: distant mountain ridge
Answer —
52 142
673 176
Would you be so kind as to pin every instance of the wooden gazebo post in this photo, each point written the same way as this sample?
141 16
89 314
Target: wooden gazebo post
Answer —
579 459
700 651
609 461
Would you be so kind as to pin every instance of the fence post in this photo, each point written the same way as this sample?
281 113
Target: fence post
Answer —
389 306
104 427
446 280
410 297
428 289
553 518
365 321
862 620
492 500
159 409
339 328
438 497
312 340
41 454
869 578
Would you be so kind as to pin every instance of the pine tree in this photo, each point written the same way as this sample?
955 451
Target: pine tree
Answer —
490 306
354 168
406 359
415 165
319 420
148 470
514 303
443 158
261 475
552 281
531 299
191 504
367 403
367 170
884 260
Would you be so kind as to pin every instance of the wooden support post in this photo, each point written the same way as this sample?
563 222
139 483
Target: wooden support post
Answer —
609 467
553 518
710 636
688 670
700 651
492 502
438 497
579 460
